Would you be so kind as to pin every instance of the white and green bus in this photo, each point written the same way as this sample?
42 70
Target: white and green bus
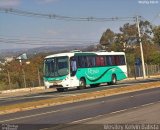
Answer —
81 69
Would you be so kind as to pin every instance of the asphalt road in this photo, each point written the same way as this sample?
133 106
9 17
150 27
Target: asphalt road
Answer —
146 114
145 117
55 94
72 113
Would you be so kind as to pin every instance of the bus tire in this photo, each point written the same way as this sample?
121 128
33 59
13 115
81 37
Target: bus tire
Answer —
94 85
82 83
109 83
113 80
62 89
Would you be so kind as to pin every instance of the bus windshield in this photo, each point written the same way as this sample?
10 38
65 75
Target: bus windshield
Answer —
56 66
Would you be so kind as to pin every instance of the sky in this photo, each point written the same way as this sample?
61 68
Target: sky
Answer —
25 32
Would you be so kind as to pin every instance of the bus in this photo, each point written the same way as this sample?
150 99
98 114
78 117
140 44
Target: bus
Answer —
82 69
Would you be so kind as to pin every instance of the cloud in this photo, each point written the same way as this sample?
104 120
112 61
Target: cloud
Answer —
9 3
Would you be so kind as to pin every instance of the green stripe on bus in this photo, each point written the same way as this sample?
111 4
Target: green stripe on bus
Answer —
85 54
50 79
100 74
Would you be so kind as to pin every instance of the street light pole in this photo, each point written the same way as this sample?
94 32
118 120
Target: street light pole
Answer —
141 48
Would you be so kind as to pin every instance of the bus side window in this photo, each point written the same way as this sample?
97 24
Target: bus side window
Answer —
122 60
88 64
109 59
97 61
91 61
117 61
100 61
113 60
73 64
82 61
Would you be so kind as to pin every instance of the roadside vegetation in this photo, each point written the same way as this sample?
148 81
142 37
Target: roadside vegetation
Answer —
30 74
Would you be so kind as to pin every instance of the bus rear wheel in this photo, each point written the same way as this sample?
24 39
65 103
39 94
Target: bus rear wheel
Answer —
82 83
113 80
94 85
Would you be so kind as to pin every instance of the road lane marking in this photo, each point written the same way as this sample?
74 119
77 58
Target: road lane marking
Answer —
24 117
123 110
149 104
83 120
118 111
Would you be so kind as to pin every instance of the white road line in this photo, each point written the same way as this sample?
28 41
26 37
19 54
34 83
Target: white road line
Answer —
149 104
40 114
83 120
118 111
78 121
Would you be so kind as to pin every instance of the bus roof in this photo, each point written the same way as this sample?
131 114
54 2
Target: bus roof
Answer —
70 54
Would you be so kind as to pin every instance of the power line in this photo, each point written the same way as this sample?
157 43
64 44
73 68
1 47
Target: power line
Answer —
56 17
42 40
48 43
60 17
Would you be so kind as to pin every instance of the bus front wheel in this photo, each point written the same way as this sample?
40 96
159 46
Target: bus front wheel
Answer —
82 83
62 89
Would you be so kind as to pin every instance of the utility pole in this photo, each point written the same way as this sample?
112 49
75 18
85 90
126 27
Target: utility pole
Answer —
20 58
141 48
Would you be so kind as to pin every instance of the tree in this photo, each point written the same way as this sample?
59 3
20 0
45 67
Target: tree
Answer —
17 72
156 33
107 38
119 43
127 40
130 33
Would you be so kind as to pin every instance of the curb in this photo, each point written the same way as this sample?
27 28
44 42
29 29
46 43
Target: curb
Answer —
21 90
76 98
